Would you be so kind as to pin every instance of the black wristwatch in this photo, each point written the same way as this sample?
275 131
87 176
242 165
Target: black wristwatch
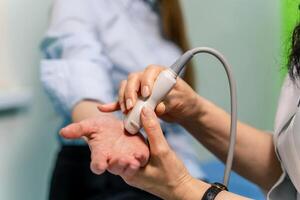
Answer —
213 191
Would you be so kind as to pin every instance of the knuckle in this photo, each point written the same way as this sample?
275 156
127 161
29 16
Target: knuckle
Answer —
155 153
150 67
132 76
162 151
152 125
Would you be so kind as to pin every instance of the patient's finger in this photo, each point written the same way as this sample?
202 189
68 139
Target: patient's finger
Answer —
77 130
110 107
141 158
118 166
72 131
86 139
98 161
131 170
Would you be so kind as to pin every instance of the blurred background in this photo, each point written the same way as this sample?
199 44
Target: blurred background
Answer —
249 33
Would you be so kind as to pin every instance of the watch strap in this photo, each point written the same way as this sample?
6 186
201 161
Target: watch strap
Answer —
213 191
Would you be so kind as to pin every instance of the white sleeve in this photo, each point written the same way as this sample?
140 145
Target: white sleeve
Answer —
75 66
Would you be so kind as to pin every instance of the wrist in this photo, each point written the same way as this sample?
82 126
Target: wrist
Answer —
193 189
87 109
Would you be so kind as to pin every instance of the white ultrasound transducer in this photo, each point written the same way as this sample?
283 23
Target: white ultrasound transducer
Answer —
164 84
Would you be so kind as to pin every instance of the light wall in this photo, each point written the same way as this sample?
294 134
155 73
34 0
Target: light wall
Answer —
247 32
27 137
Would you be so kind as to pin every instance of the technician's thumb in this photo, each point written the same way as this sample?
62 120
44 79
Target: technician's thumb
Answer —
153 130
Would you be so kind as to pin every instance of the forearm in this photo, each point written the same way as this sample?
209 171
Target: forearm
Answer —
86 109
255 156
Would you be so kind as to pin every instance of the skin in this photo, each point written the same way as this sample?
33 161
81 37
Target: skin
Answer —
107 140
255 156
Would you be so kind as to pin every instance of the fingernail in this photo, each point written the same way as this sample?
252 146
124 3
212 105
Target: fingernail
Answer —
129 103
145 91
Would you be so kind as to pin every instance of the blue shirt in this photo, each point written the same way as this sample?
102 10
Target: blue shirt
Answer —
91 45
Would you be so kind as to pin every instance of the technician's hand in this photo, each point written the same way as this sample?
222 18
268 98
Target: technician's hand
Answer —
165 175
179 105
109 142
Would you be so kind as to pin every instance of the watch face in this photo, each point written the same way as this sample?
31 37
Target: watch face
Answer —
213 191
210 196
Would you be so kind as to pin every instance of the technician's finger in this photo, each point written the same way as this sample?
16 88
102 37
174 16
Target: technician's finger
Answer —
153 130
98 161
77 130
121 95
132 88
149 76
110 107
160 109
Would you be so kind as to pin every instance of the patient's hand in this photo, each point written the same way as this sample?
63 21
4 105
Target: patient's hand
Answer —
112 148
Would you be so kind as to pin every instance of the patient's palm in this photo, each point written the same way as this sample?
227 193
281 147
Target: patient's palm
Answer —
108 141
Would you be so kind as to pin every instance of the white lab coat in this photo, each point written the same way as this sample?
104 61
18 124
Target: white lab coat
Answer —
287 143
